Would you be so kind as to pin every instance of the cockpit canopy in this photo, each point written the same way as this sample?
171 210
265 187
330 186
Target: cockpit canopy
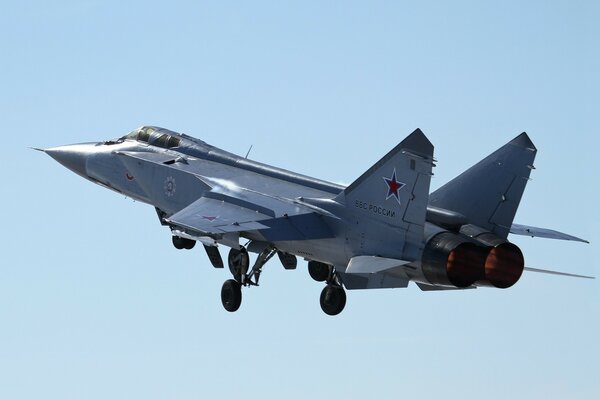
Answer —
164 138
155 136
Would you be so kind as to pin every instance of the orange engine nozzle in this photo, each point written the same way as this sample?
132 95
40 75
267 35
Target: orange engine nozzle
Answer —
504 265
464 264
450 259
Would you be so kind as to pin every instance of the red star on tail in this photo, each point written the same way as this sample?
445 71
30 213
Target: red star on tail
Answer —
393 187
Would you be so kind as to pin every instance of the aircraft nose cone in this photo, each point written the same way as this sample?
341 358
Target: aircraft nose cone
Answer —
73 156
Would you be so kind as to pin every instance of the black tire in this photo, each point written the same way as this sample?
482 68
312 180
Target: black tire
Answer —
231 295
333 300
178 242
189 244
318 271
238 261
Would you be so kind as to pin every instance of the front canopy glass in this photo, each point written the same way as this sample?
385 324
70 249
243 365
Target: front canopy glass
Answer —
155 137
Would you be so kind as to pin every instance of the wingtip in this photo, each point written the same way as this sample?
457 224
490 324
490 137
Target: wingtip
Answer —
37 149
417 141
576 239
524 140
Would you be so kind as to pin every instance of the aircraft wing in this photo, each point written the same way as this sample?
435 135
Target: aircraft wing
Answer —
533 231
224 208
215 215
218 213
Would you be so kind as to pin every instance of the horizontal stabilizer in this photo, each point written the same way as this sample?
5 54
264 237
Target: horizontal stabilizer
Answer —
545 271
533 231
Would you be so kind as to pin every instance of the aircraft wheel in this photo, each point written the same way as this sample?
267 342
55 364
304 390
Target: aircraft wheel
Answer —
238 261
183 243
318 271
333 300
189 244
231 295
178 242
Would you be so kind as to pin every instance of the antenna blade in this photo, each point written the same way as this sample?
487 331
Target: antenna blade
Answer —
250 149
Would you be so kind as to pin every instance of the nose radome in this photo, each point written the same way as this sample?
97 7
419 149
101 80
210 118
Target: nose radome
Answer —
73 156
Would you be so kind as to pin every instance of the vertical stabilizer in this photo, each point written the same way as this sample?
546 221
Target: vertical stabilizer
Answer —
488 194
393 192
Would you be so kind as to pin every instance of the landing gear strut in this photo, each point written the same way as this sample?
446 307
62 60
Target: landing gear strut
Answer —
333 296
239 261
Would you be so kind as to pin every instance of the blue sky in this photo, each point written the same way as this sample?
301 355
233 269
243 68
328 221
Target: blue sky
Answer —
94 301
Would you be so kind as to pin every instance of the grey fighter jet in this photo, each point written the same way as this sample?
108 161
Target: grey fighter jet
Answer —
382 231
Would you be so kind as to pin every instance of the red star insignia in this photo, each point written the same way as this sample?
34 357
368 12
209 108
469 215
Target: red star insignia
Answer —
394 187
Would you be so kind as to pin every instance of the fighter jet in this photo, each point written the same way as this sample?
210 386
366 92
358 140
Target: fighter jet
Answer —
382 231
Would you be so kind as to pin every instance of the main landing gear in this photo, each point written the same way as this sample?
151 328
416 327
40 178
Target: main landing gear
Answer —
333 299
183 243
239 262
231 295
333 296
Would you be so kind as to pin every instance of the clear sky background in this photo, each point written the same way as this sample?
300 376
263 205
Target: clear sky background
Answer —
95 303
